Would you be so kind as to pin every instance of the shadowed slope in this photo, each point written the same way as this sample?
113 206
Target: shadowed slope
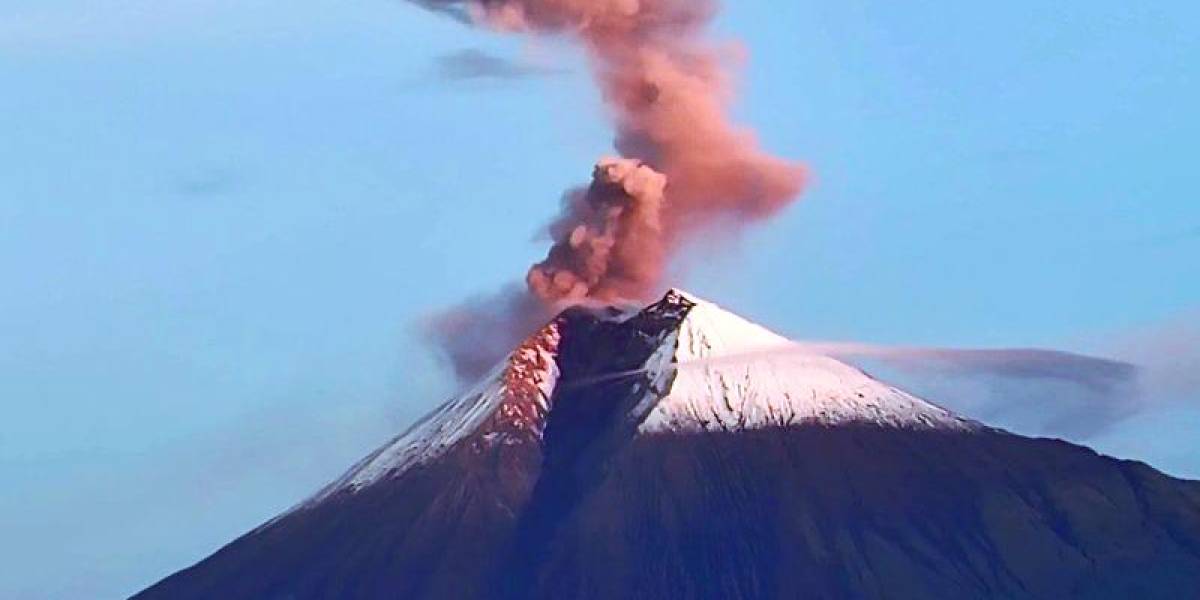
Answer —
866 512
855 512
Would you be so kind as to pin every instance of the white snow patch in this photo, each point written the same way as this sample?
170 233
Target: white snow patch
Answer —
733 374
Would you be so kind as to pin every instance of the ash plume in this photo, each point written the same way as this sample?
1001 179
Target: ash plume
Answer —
607 241
684 166
477 333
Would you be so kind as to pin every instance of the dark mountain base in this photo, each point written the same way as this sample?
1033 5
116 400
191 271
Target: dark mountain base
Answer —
782 513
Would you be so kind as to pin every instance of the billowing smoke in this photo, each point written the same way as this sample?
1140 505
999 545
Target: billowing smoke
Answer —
684 166
607 243
477 333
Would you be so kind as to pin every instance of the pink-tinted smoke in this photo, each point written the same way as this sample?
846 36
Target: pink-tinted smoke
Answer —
608 241
684 166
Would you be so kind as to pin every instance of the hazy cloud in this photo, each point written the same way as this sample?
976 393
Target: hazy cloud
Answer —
1047 392
215 181
1169 354
455 11
1031 391
472 63
1172 237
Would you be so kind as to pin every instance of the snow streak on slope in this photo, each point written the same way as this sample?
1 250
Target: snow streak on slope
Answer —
734 374
507 406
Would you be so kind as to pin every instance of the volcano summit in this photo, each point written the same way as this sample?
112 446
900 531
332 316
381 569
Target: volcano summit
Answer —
680 451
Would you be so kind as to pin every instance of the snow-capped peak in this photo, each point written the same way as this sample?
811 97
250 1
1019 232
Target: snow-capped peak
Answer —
734 374
704 369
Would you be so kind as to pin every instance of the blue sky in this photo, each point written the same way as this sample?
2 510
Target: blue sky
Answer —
221 223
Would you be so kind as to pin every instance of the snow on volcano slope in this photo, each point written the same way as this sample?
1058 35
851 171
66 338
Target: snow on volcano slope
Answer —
507 406
733 374
714 372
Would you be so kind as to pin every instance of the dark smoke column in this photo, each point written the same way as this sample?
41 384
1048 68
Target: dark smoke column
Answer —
685 166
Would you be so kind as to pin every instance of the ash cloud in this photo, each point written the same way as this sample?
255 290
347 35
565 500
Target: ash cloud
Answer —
684 168
606 241
476 334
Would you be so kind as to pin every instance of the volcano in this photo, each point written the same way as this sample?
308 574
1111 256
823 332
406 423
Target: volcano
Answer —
680 451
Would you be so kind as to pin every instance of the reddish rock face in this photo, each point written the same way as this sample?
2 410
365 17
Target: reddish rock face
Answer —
542 482
528 382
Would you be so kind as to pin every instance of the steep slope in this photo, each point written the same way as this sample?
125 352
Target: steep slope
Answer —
680 451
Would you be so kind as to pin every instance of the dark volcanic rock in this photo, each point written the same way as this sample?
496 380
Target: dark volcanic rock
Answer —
874 513
808 511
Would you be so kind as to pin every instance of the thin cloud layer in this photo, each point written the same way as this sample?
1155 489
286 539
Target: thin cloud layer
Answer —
206 182
472 63
1033 391
1170 356
455 11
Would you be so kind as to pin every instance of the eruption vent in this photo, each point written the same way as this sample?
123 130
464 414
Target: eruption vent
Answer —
685 167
